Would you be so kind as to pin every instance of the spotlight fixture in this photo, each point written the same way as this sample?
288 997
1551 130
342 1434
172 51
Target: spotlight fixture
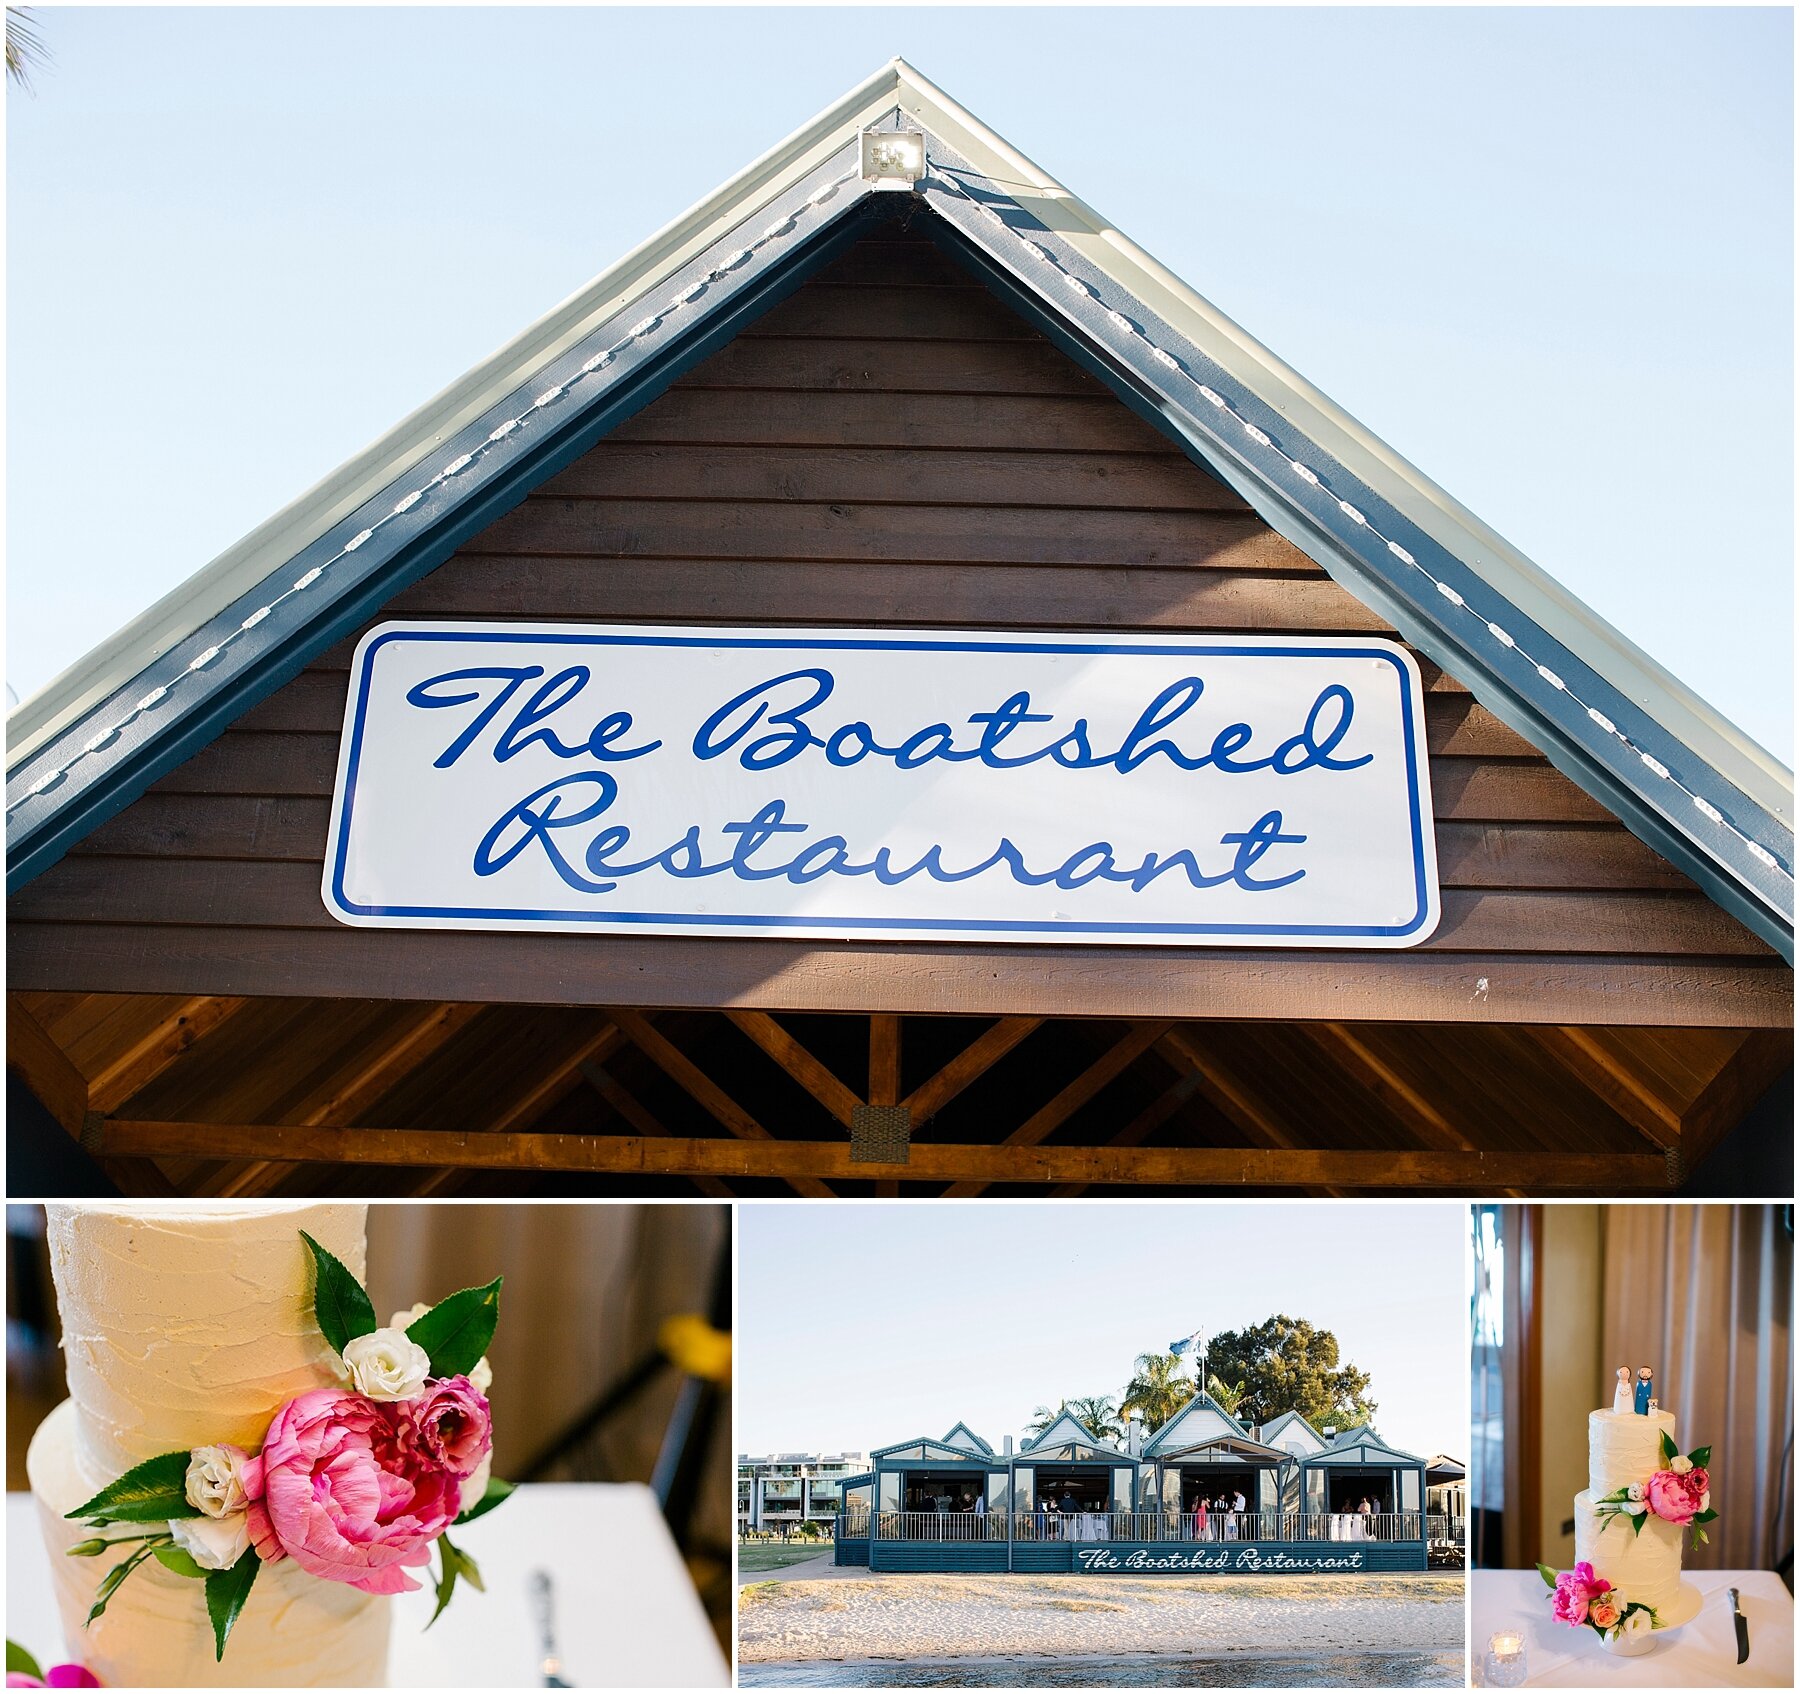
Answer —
892 158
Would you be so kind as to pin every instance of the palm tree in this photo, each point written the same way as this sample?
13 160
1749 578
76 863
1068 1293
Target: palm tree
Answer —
1157 1389
1043 1417
1227 1399
1100 1412
25 49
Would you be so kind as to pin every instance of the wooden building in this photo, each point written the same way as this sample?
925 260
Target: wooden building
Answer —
1072 1501
832 398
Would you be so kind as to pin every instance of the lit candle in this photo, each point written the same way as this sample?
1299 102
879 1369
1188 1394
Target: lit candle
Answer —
1505 1667
1506 1645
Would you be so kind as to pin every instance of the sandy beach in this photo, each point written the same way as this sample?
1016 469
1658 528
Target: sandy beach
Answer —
857 1616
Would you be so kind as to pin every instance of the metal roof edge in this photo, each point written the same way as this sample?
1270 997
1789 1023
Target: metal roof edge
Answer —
1487 554
194 602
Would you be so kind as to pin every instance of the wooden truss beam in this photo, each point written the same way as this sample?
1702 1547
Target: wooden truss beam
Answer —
668 1058
133 1070
1213 1167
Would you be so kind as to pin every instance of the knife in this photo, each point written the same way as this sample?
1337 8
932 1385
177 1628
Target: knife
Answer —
1743 1629
543 1600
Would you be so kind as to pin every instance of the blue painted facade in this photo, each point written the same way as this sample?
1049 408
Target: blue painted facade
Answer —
1070 1502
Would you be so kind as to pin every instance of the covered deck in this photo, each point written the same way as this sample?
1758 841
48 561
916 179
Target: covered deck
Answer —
1073 1503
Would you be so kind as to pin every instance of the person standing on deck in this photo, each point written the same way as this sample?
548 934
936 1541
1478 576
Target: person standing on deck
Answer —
1239 1507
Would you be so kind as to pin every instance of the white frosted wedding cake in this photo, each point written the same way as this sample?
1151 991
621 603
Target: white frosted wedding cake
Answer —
1643 1495
180 1329
1643 1564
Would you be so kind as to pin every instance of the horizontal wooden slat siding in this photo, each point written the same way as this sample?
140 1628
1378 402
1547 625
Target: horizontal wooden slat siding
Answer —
1470 855
859 364
979 421
865 534
892 446
886 476
280 895
784 976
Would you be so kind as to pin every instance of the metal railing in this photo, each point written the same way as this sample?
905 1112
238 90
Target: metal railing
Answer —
1089 1527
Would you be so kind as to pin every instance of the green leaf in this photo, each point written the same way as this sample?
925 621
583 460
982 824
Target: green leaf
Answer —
226 1592
1547 1574
179 1560
497 1491
456 1331
1665 1444
21 1663
1706 1516
1637 1522
1702 1457
339 1302
455 1563
151 1492
109 1584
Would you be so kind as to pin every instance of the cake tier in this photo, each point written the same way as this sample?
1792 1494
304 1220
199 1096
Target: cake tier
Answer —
295 1631
1645 1567
184 1327
1623 1447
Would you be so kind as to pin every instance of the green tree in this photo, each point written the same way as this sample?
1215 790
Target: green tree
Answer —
1044 1416
1157 1388
1228 1399
1285 1364
1100 1412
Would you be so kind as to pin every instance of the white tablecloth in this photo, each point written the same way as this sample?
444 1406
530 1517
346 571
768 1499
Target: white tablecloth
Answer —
1701 1654
626 1613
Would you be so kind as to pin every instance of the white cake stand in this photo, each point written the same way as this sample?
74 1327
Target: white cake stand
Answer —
1683 1609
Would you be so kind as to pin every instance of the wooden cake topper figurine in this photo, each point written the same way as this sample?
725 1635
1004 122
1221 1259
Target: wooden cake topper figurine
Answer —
1622 1391
1646 1388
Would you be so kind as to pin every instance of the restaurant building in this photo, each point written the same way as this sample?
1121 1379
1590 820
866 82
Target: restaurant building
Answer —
1070 1501
887 690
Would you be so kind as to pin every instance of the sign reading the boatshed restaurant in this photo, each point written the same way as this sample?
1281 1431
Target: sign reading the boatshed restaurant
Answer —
885 784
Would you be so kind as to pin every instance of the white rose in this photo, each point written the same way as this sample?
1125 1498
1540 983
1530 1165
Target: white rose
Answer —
215 1481
481 1378
213 1543
1706 1500
1637 1623
386 1366
1681 1464
1635 1491
476 1486
1635 1507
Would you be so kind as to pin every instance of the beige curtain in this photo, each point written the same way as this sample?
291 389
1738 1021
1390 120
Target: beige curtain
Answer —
587 1287
1703 1295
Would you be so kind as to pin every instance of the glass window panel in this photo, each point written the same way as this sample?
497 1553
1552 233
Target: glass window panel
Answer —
1121 1494
1409 1491
890 1491
1024 1494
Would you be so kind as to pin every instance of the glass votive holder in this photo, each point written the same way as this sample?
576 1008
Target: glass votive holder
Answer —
1503 1666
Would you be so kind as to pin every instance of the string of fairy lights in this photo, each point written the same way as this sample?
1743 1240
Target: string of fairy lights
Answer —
1298 468
781 228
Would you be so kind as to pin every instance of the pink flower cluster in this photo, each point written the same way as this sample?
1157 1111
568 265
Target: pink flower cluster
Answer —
1678 1496
1582 1597
356 1490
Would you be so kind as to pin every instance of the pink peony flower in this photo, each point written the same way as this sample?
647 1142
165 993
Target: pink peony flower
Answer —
451 1424
1575 1589
1677 1496
347 1494
57 1676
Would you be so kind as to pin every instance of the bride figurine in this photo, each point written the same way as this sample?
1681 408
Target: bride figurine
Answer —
1622 1393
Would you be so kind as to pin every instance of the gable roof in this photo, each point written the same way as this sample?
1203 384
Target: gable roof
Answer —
1065 1429
1275 1426
1361 1445
1166 1438
1679 775
932 1451
970 1439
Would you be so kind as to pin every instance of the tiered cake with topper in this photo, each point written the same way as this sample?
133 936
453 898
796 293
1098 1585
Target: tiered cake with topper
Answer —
1643 1493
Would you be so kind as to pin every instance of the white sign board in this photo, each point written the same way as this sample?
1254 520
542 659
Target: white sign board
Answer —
893 784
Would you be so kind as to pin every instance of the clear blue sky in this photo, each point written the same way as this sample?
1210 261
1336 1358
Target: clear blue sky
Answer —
862 1325
1546 254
